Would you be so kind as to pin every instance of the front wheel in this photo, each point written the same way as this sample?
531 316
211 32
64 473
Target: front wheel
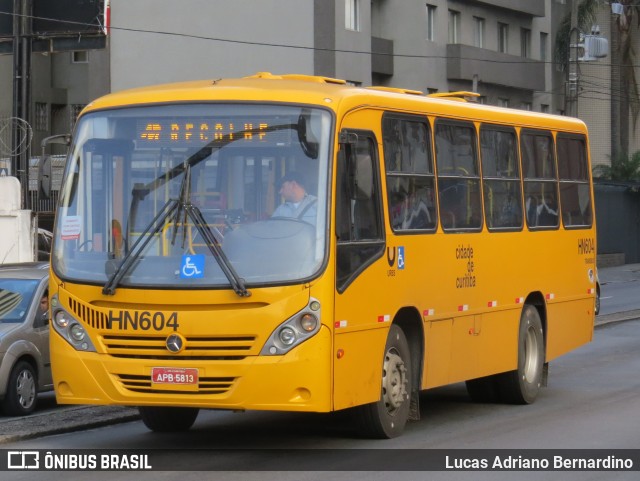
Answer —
20 398
168 419
522 385
387 417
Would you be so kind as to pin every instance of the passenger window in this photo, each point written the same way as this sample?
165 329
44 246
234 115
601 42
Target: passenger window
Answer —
458 177
501 178
540 179
410 179
358 212
575 194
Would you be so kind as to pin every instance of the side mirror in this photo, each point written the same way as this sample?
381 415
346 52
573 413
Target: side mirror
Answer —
306 136
44 168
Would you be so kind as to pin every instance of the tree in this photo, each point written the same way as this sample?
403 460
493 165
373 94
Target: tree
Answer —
624 85
587 11
622 168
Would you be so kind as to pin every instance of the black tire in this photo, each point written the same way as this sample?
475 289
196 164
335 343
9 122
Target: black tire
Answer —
523 385
483 389
597 306
387 417
168 419
22 389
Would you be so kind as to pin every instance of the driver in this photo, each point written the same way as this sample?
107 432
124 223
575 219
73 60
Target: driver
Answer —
298 204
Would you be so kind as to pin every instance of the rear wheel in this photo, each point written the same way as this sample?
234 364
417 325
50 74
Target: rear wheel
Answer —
20 398
387 417
168 419
522 385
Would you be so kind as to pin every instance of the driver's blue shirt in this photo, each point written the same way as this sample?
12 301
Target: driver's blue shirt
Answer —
304 210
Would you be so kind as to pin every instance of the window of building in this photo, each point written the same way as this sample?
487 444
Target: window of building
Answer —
74 111
503 102
526 106
352 15
525 42
544 39
501 177
478 32
80 56
503 37
458 176
454 26
41 116
410 178
431 90
431 22
544 108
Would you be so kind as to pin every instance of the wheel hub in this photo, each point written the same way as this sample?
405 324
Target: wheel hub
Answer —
394 381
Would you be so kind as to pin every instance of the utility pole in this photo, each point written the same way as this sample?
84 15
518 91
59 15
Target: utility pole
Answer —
21 92
571 96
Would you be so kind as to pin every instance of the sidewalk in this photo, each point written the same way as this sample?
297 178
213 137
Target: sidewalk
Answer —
623 273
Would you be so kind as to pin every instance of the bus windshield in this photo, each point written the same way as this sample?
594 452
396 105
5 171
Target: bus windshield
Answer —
195 195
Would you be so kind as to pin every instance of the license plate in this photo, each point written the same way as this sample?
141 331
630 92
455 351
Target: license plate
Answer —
183 376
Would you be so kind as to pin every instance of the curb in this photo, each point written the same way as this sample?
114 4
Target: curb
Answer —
616 317
66 420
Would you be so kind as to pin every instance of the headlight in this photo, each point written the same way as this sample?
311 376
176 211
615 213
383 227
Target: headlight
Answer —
77 332
287 336
295 330
69 328
62 319
308 322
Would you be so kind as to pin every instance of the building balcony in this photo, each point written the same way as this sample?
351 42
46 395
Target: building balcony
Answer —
465 61
535 8
381 56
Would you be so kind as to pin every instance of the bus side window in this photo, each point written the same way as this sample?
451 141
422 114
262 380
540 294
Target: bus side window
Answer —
410 177
540 179
358 215
458 176
501 178
575 194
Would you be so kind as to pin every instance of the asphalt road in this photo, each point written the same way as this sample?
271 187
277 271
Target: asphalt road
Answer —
591 402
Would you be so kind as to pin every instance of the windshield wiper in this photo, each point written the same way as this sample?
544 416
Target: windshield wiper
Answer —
178 210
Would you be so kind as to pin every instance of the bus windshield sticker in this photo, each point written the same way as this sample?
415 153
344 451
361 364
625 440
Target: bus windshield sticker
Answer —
71 227
192 266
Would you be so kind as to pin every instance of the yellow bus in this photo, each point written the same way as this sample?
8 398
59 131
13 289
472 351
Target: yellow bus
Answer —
295 243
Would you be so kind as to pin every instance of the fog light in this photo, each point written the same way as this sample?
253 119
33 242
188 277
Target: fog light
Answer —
77 332
287 336
308 322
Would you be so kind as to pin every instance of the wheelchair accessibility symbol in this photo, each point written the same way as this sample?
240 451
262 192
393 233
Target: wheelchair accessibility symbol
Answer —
192 266
400 258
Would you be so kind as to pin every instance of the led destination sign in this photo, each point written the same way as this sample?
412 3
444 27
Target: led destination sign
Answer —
205 130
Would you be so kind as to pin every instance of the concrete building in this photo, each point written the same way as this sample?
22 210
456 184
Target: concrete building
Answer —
502 49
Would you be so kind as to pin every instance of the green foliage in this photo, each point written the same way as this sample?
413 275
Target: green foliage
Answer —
587 11
622 168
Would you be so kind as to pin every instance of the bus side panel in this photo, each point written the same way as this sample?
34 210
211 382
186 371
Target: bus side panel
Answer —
357 375
438 353
570 325
498 348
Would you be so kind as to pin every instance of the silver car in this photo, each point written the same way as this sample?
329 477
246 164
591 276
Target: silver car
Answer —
25 367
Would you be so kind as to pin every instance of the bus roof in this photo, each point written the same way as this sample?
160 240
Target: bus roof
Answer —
332 93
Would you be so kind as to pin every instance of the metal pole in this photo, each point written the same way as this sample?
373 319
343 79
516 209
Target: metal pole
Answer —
572 81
